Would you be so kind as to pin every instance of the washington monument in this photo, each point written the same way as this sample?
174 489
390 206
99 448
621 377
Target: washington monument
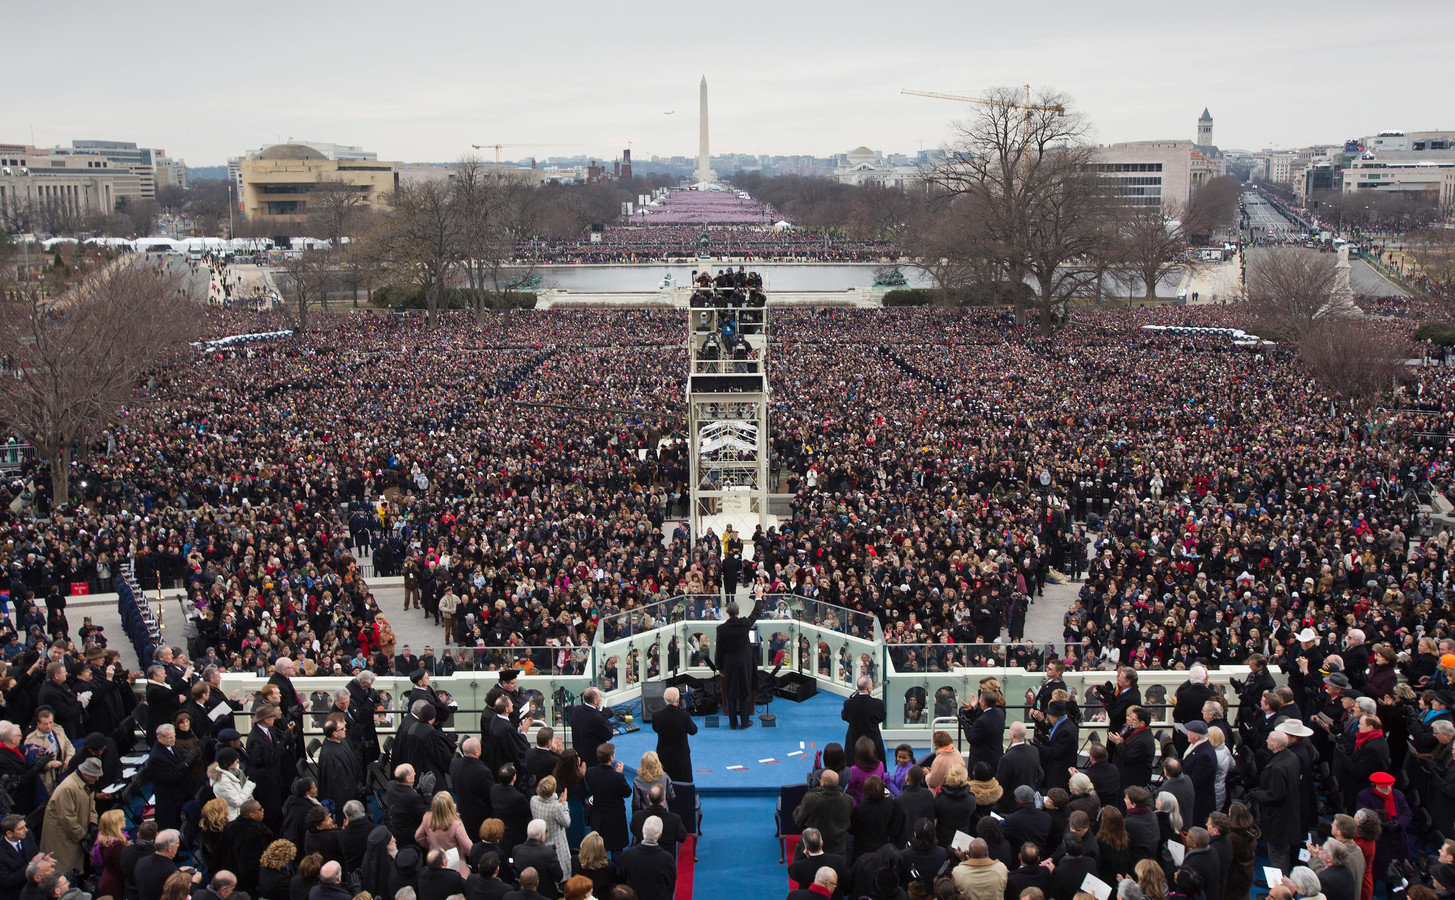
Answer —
704 167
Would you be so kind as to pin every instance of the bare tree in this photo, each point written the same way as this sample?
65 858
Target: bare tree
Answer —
1213 208
421 239
1289 288
306 277
77 363
491 220
1038 205
334 206
1354 359
1150 241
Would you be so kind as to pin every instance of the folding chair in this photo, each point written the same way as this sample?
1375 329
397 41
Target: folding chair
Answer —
686 804
789 796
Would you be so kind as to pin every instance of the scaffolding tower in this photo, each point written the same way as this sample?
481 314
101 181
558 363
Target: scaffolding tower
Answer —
727 415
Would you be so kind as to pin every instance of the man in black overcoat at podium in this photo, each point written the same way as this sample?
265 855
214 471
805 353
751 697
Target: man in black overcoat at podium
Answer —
736 665
865 713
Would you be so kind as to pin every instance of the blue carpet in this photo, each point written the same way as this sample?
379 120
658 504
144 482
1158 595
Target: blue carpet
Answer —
813 723
738 854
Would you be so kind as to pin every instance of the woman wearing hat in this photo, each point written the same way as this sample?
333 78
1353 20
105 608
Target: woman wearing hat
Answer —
229 782
1395 816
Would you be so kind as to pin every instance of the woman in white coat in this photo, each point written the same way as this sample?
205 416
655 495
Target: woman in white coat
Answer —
228 781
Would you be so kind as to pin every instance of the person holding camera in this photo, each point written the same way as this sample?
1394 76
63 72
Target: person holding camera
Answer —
1136 749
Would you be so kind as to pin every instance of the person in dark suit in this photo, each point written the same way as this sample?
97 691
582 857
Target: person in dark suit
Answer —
865 713
153 871
735 665
168 771
823 883
1278 794
421 744
535 853
1071 871
16 851
266 754
510 806
422 691
472 781
131 854
647 868
438 881
1336 879
673 725
1202 859
1136 749
1058 753
811 856
589 728
1031 874
1020 765
404 805
1188 701
363 699
163 702
541 759
529 881
339 773
503 742
609 791
1124 695
1200 765
983 719
485 884
1026 824
1105 780
673 831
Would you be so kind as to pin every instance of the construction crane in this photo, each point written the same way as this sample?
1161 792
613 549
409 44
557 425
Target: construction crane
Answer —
1027 107
496 148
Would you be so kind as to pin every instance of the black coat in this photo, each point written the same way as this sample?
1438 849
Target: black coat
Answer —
435 884
362 702
1070 872
915 803
1189 701
404 809
802 869
471 779
62 700
673 725
1037 876
1020 765
673 831
609 791
1107 782
864 713
1058 754
875 823
162 704
511 807
12 866
734 657
589 730
954 811
340 775
1143 835
170 782
266 758
425 747
152 873
1116 710
543 858
986 736
131 854
1201 768
1277 796
1336 883
649 870
502 743
1028 824
1209 868
1135 756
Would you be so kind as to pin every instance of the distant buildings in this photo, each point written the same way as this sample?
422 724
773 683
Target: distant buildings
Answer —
45 189
862 166
277 182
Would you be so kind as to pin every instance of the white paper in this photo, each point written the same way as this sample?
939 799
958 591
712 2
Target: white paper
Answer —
1273 875
1176 851
1304 856
219 711
1096 887
961 842
997 816
452 858
135 758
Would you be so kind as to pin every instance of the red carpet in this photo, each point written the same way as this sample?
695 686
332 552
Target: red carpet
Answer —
685 866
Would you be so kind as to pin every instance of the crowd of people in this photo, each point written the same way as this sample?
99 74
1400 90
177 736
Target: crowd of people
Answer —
659 243
945 466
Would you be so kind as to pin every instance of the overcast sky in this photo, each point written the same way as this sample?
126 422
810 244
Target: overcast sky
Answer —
422 81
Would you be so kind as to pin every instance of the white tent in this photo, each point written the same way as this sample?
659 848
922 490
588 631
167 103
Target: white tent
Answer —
782 226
